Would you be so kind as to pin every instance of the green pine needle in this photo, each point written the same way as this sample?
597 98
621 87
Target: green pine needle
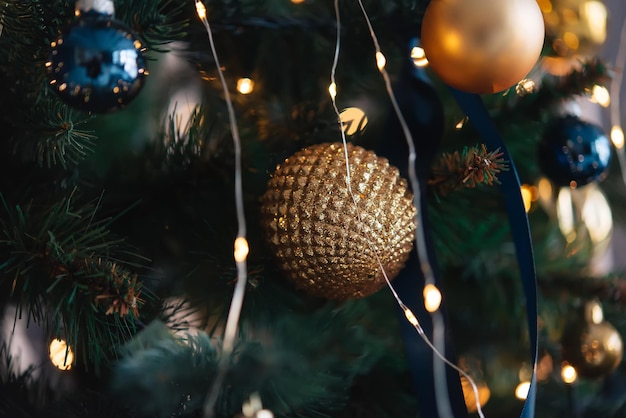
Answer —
61 264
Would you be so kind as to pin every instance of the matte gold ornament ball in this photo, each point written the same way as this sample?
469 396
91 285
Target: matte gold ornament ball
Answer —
315 231
482 46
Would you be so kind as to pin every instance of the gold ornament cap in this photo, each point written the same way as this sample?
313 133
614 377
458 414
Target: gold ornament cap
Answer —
325 246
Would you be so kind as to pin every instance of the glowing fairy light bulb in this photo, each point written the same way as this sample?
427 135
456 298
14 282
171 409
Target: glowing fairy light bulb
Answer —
432 298
61 354
241 249
568 374
617 136
521 391
200 10
410 316
332 89
419 56
245 85
381 61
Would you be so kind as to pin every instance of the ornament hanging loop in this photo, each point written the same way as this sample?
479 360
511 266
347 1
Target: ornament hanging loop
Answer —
105 7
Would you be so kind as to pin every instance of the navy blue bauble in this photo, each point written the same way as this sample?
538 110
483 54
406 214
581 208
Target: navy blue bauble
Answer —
574 153
97 65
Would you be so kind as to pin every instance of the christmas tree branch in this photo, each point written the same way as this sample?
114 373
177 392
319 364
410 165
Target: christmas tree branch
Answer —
59 263
554 90
611 289
469 168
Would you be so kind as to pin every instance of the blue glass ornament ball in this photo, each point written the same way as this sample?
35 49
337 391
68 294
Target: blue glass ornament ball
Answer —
574 152
97 64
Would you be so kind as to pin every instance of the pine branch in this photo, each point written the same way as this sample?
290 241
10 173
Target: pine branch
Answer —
554 90
59 263
469 168
610 289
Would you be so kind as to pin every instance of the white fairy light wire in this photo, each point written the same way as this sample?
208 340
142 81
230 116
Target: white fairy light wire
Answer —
241 246
443 403
615 92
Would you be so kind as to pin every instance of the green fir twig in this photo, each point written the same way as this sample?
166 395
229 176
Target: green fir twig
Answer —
60 265
469 168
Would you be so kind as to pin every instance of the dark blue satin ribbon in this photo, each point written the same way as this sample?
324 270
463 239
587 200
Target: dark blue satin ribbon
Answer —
475 109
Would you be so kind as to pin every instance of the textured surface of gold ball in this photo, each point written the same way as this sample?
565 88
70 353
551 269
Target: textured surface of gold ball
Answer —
314 230
482 46
595 350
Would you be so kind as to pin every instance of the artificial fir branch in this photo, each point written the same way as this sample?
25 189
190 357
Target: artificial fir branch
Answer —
62 141
467 169
610 289
59 263
553 90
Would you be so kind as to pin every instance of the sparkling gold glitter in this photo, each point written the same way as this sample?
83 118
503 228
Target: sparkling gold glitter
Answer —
313 228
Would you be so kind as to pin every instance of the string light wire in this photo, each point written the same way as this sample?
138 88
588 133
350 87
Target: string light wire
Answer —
241 244
443 403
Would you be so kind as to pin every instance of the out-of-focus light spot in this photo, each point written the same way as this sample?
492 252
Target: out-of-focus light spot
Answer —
600 95
597 216
381 61
617 136
571 40
353 119
525 87
419 56
521 391
568 374
596 17
245 85
432 297
61 354
526 197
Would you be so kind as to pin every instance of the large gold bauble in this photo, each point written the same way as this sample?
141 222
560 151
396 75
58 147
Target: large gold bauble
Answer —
594 349
482 46
324 245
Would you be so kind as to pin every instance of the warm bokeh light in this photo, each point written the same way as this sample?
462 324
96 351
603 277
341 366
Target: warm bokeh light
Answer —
297 1
61 354
545 5
381 61
353 119
571 40
245 85
200 10
545 189
521 391
432 297
470 396
597 216
565 213
526 197
332 90
596 17
568 374
597 315
241 249
419 56
600 95
617 136
461 123
525 87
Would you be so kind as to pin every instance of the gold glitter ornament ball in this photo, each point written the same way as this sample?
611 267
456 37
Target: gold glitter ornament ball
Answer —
482 46
314 229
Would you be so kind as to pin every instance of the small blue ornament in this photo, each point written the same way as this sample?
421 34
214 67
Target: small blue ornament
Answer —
574 153
97 65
